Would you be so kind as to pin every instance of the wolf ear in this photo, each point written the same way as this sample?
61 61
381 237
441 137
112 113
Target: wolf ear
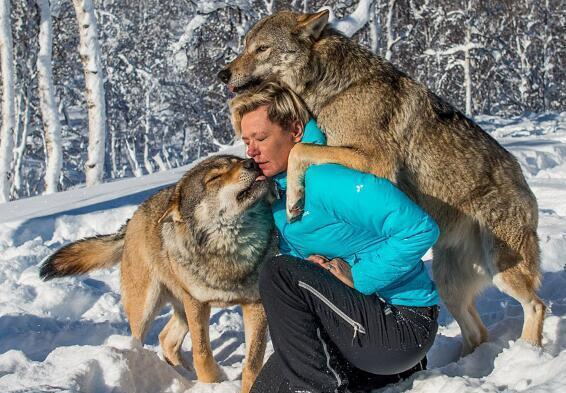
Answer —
172 211
313 24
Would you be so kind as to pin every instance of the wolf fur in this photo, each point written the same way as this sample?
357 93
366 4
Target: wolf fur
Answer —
377 119
196 244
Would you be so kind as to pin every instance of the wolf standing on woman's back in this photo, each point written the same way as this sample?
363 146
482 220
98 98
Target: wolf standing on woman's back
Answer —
377 119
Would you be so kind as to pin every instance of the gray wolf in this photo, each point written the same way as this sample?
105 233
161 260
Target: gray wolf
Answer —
378 120
196 244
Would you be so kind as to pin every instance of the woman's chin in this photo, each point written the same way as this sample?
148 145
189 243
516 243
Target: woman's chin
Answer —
268 172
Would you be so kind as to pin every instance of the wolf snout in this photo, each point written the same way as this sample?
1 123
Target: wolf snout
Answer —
250 164
225 75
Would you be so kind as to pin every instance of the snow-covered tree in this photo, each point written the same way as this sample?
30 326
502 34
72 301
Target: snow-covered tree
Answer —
8 111
49 112
460 53
94 87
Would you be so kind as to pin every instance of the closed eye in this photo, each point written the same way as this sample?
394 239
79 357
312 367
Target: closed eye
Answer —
213 178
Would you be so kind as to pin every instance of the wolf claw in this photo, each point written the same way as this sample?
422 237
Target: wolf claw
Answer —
295 205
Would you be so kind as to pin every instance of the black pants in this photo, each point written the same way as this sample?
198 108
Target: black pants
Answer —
329 337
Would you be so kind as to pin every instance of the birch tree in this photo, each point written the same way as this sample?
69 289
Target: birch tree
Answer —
375 26
351 24
463 49
49 112
94 82
393 39
8 111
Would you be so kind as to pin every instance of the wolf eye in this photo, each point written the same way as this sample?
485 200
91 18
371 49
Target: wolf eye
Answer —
261 48
213 178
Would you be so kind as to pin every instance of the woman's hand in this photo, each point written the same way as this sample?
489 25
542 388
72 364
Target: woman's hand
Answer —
338 267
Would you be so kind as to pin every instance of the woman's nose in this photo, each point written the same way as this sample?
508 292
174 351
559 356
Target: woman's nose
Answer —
252 150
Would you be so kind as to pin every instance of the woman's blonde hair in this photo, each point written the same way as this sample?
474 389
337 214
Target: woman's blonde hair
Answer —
283 106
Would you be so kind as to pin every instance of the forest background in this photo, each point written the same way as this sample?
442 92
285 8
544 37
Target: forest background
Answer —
164 106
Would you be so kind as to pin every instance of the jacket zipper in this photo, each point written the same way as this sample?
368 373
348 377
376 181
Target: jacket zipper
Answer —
356 325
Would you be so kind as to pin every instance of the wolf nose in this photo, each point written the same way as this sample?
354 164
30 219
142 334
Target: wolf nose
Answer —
225 75
250 164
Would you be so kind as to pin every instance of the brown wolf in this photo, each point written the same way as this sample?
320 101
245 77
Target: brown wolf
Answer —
377 119
196 244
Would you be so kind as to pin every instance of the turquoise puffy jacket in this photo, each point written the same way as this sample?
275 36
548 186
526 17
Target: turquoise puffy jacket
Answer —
366 221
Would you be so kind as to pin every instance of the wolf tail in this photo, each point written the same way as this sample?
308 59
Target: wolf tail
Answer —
82 256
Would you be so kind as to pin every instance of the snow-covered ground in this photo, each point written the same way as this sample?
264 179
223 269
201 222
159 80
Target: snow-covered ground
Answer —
71 334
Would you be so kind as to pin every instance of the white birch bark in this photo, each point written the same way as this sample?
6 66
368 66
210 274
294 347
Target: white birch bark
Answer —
160 164
94 82
391 40
8 109
113 155
132 158
547 65
21 144
48 104
467 68
375 26
351 24
146 159
269 6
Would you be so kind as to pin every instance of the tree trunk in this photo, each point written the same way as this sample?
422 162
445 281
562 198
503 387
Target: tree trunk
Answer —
8 110
468 71
94 82
21 145
49 112
375 26
390 36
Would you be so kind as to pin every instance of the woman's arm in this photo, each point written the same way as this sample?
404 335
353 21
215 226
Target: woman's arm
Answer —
376 205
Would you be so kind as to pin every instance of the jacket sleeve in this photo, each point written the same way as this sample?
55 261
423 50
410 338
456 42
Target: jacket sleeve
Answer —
402 230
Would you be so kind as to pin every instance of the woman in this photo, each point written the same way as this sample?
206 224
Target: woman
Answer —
349 302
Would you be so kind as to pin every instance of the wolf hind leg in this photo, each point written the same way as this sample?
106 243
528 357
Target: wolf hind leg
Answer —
141 310
142 296
484 335
172 336
519 277
458 284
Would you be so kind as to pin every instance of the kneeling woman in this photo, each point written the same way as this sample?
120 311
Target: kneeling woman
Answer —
349 302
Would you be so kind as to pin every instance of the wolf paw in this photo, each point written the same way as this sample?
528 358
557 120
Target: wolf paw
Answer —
295 204
294 213
213 374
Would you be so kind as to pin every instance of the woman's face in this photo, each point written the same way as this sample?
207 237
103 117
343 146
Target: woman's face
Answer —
267 142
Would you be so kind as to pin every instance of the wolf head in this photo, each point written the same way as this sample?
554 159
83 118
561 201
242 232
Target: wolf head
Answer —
278 47
219 189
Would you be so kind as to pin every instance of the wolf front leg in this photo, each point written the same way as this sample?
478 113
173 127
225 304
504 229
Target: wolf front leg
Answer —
303 155
255 327
198 314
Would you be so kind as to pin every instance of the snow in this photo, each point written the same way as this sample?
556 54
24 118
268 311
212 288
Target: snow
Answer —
72 335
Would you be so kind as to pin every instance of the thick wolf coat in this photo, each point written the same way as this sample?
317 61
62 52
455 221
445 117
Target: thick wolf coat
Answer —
196 244
377 119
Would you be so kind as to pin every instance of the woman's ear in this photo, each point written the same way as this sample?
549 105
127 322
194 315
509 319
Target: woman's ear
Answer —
297 131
